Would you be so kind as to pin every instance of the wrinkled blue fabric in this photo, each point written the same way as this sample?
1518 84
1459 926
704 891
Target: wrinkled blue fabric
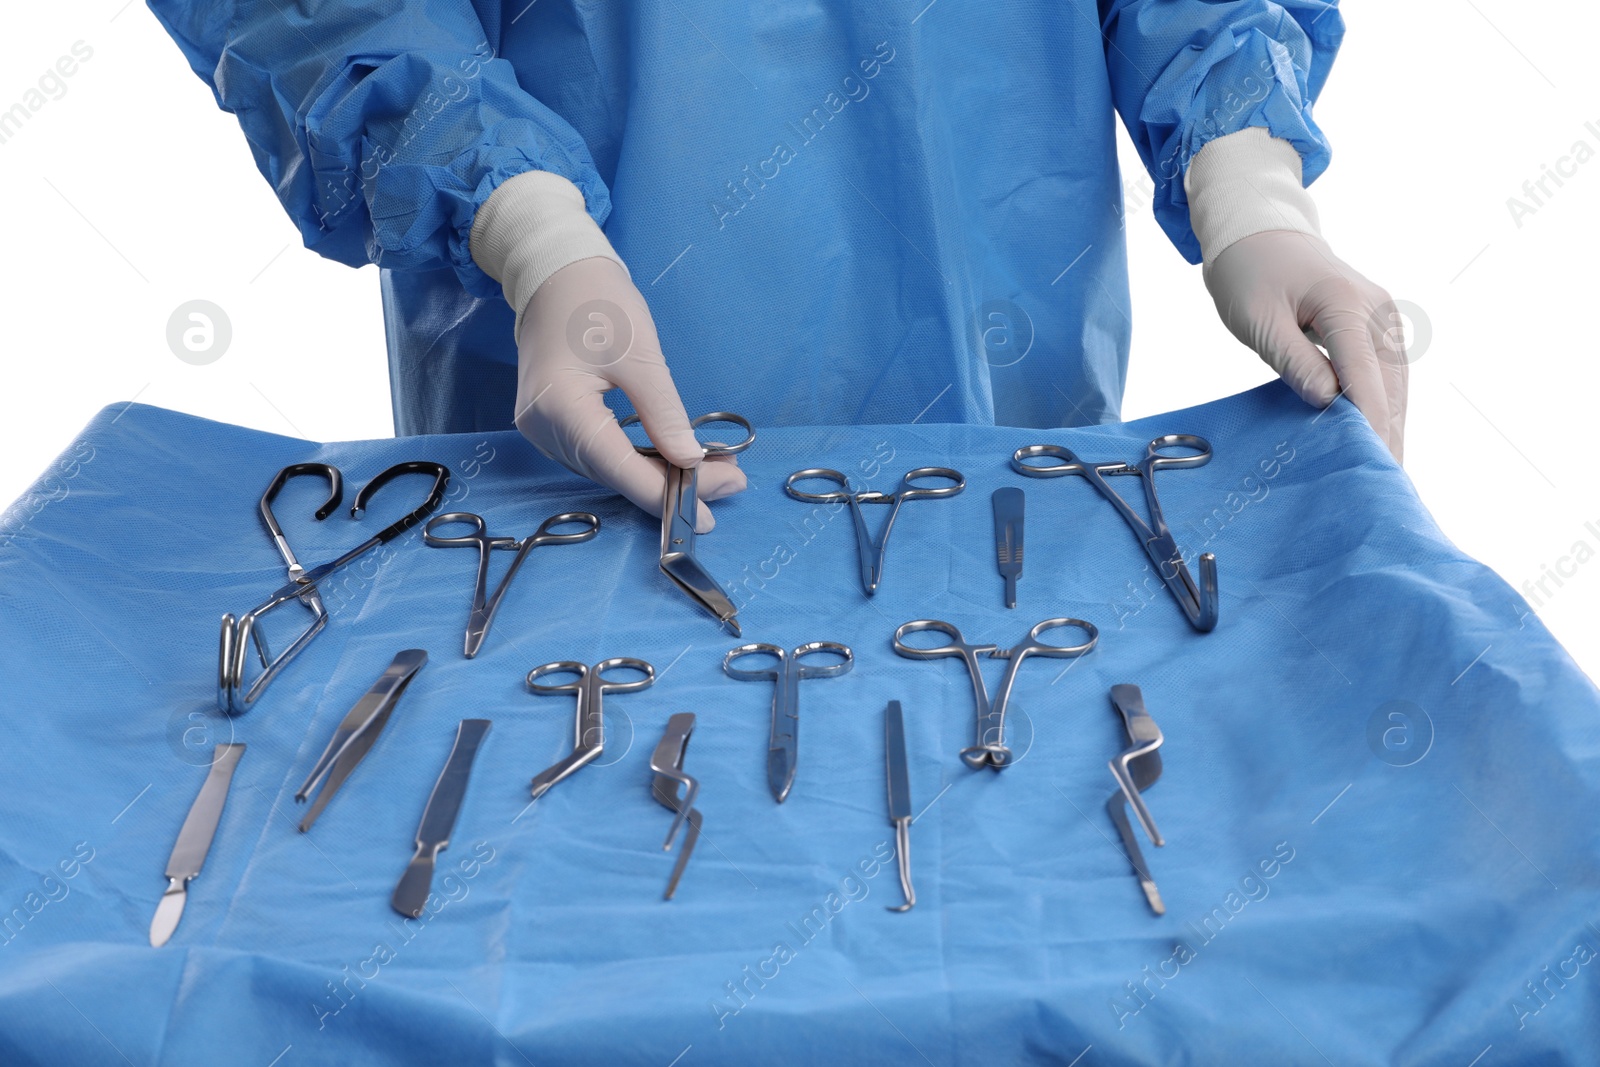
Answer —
839 214
1349 886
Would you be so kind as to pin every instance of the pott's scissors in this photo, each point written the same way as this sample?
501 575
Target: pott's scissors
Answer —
238 634
590 728
783 747
989 749
1199 602
484 606
677 520
871 552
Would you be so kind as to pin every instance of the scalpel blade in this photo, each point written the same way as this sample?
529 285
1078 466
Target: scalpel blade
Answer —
194 840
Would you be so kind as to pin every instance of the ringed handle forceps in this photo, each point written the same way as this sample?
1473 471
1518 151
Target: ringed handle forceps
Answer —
869 551
589 721
678 560
1198 600
240 633
989 748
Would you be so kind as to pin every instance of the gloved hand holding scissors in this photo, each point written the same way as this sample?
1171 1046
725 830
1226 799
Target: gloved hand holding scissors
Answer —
584 328
1279 287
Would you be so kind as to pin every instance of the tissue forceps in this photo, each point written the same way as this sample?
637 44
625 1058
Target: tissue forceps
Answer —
783 746
484 605
590 728
989 750
240 633
870 551
1198 601
678 560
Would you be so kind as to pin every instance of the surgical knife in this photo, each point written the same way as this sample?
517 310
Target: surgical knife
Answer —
438 819
194 841
894 745
1008 508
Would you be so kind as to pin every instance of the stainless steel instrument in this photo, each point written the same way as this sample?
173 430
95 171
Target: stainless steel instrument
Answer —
894 746
194 841
989 749
1198 601
439 819
678 560
484 605
783 748
358 732
667 763
870 551
234 694
590 727
1136 768
1008 508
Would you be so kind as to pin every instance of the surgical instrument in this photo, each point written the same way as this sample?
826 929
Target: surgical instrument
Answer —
439 819
870 552
989 749
783 746
238 634
194 841
894 747
358 732
1008 509
1136 768
667 763
1199 602
677 559
484 605
589 727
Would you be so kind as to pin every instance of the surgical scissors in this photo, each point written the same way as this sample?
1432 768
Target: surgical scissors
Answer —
590 727
239 633
678 560
783 746
1199 602
989 749
484 606
870 551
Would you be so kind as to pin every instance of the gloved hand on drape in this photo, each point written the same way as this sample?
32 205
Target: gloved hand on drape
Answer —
584 328
1279 287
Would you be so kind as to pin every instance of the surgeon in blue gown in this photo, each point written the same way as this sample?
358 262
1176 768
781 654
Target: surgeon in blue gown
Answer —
812 212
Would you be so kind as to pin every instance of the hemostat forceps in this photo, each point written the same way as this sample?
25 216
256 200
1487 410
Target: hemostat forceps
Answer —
484 606
1136 768
989 749
238 634
1199 602
590 726
678 561
871 552
667 763
783 747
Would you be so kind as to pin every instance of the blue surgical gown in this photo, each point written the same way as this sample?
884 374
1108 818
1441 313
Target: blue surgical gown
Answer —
839 212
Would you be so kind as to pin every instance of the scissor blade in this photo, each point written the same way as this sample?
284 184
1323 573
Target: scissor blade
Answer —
687 574
780 771
894 743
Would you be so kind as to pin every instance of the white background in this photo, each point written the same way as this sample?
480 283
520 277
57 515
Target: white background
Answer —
132 194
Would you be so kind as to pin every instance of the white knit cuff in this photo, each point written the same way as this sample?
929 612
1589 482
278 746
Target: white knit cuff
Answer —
1244 183
530 227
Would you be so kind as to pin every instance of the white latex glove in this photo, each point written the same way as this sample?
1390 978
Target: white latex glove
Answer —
583 328
1275 287
586 330
1282 291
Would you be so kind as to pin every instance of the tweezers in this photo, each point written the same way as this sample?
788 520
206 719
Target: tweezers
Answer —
358 732
1136 768
667 763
